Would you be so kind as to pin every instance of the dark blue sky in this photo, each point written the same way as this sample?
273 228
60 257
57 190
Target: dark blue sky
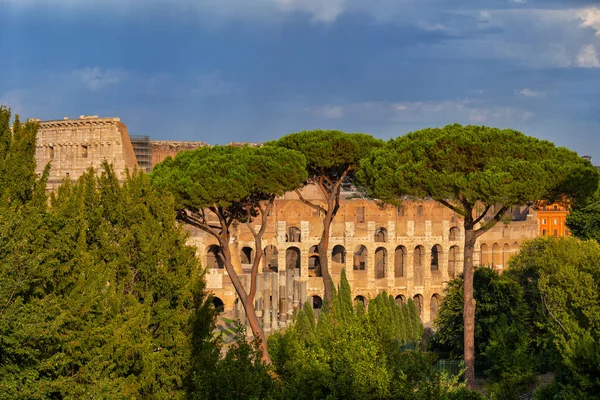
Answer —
253 70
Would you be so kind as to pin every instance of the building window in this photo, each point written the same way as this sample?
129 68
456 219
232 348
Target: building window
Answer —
84 151
419 211
556 233
543 221
360 214
555 207
401 211
555 221
543 232
51 152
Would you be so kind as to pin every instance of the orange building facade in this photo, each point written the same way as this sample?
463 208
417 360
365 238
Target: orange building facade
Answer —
552 220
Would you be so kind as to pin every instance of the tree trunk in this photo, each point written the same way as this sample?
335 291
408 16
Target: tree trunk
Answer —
323 248
469 307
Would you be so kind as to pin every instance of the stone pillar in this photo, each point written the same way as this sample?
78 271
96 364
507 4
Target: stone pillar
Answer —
289 290
275 298
266 302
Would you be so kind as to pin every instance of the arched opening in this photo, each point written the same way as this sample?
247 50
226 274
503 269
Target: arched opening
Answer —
418 299
218 304
270 258
515 248
400 300
314 266
361 300
418 265
247 255
380 262
360 259
436 253
505 255
292 258
496 256
381 235
485 255
434 306
453 261
338 254
399 261
293 235
214 257
506 232
313 250
453 234
317 302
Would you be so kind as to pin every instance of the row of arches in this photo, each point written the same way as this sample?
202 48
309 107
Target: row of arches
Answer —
497 256
294 235
338 255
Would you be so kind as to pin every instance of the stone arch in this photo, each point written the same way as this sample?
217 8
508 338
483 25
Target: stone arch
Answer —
381 235
247 255
214 257
418 299
496 255
313 249
360 259
270 258
418 267
293 235
338 254
292 258
515 248
453 234
380 262
506 253
400 300
361 299
314 266
218 304
453 264
436 255
399 261
485 255
317 302
434 306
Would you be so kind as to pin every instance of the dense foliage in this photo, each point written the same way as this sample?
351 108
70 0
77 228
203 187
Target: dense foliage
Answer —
479 173
350 352
97 285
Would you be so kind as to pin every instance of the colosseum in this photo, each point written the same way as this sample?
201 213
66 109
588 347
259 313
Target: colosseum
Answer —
408 251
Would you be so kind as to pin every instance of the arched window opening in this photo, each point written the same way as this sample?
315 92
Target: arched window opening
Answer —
270 258
218 304
293 235
434 306
380 262
485 255
496 256
418 299
453 234
338 255
436 252
292 258
506 253
247 255
314 266
361 300
418 265
400 300
317 302
360 259
399 261
214 257
381 235
453 261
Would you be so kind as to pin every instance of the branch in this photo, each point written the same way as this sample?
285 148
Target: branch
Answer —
487 208
452 207
191 220
552 315
491 222
308 203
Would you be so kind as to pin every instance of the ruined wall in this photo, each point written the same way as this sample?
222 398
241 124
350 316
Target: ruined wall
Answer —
410 251
162 149
72 146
